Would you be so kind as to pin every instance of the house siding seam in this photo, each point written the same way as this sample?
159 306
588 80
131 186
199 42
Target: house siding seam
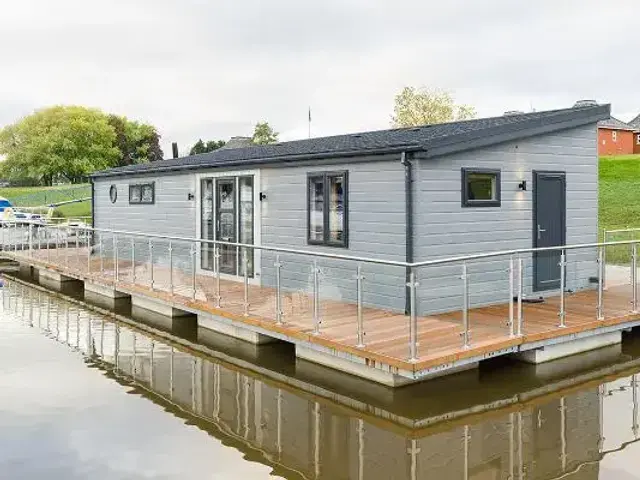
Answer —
443 228
376 229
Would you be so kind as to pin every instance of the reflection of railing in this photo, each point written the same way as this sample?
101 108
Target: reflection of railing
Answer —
170 264
194 387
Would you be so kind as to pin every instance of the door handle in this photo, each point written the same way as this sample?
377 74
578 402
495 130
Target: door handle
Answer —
540 230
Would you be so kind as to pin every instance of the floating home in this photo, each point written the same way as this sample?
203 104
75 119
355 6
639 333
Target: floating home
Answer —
323 242
521 180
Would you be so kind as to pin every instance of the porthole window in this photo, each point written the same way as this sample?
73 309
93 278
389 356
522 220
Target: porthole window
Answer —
113 193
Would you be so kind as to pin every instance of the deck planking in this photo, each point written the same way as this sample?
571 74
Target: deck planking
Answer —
386 332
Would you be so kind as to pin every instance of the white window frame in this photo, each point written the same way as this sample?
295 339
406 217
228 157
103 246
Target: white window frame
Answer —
638 139
614 136
257 222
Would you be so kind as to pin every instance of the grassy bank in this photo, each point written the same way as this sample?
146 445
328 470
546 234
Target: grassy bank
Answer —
39 196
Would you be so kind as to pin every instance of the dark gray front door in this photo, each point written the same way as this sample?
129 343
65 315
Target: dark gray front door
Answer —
549 214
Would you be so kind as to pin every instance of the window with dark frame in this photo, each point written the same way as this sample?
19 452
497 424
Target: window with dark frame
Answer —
480 187
327 209
142 193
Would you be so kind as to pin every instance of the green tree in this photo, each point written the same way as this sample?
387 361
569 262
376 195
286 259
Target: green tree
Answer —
421 106
58 143
263 134
210 146
137 142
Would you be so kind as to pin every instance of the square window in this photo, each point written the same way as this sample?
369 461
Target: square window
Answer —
142 194
480 188
638 139
327 209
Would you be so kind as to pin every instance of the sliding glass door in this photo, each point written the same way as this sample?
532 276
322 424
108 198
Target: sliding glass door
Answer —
227 215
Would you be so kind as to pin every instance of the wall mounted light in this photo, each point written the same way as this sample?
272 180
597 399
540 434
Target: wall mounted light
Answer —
522 185
262 196
190 196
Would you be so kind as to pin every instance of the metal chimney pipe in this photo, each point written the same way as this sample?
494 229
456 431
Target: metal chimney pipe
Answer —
174 147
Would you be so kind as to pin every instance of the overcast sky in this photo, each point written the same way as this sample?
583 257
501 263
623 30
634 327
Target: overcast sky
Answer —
212 69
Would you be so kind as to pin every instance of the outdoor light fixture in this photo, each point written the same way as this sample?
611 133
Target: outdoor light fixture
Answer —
190 196
263 196
522 185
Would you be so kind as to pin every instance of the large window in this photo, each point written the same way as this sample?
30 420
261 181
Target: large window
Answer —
480 187
143 193
327 199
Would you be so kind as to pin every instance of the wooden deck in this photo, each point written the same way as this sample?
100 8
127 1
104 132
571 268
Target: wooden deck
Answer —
386 333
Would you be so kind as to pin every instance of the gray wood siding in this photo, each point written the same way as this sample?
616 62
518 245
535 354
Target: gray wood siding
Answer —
172 214
444 228
376 229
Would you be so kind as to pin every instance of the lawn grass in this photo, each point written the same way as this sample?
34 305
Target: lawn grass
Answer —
619 202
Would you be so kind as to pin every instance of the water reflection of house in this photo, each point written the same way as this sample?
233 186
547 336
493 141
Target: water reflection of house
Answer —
304 434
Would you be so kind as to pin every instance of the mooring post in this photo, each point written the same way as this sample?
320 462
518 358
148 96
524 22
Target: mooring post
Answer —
562 313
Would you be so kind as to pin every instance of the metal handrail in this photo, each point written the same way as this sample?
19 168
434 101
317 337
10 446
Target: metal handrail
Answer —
425 263
293 251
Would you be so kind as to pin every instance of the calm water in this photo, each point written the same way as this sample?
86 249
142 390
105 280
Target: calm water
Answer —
83 397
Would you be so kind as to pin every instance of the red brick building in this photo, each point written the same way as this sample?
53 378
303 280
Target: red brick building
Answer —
616 137
635 123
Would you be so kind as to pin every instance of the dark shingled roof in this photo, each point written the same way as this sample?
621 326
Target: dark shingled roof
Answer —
434 140
635 123
614 124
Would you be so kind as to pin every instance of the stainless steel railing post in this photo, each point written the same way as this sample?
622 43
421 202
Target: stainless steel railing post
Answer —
512 294
151 263
562 313
30 234
520 295
634 277
193 271
216 264
600 306
465 306
278 266
100 245
133 260
66 248
245 271
316 298
89 248
413 317
170 267
115 258
604 280
359 280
